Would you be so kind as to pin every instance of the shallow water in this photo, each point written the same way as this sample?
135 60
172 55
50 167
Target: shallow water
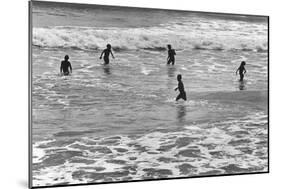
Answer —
121 121
223 147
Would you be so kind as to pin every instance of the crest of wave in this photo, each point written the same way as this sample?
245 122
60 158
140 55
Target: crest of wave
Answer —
88 38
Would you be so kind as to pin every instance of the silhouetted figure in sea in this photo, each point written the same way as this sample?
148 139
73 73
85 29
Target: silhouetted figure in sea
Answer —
106 53
241 70
65 64
180 87
171 55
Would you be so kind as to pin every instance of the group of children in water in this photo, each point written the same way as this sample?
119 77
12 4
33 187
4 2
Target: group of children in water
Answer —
66 68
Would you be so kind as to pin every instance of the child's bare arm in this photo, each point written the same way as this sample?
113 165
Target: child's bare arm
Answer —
101 54
70 68
112 54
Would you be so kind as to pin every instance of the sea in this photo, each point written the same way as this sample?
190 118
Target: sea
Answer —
120 122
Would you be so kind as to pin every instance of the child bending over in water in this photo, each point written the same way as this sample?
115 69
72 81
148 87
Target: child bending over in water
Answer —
241 70
181 89
171 55
106 53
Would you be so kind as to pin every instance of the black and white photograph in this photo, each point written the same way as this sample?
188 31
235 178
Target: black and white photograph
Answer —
122 94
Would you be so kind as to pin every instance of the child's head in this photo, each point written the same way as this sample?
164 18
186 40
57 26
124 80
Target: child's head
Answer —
243 63
179 77
108 46
66 57
169 46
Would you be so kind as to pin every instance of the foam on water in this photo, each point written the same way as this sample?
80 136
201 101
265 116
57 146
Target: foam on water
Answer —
146 71
226 147
151 38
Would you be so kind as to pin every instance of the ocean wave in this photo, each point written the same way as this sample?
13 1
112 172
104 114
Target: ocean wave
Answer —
153 38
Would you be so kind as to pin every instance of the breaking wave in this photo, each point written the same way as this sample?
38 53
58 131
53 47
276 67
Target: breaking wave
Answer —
153 38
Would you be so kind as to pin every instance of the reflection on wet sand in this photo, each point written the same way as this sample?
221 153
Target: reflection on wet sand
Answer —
171 71
106 70
242 85
181 113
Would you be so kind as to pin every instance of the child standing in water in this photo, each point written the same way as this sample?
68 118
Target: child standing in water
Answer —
106 53
241 70
171 55
65 67
181 89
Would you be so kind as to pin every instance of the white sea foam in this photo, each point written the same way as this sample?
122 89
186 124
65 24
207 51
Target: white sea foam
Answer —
201 148
146 71
152 38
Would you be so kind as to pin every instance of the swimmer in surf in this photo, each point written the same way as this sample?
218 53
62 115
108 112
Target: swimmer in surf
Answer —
106 53
171 55
65 64
180 87
241 70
